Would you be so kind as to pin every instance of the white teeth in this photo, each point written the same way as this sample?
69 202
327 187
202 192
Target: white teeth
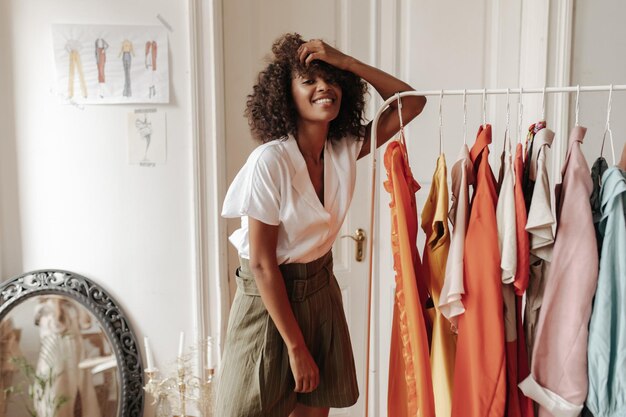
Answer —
323 100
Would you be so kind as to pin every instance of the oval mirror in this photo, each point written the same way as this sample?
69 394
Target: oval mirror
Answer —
66 350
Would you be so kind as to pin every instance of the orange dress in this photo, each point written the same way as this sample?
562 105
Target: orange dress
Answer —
410 385
480 370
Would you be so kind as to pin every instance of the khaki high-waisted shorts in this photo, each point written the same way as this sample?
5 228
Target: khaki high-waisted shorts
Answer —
255 377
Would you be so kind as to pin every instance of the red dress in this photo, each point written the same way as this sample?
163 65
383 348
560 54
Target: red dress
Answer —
521 280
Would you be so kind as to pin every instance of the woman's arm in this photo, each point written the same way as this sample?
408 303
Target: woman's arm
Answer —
269 280
386 85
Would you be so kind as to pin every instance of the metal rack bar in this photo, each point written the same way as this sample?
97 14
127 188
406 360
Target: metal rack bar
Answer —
570 89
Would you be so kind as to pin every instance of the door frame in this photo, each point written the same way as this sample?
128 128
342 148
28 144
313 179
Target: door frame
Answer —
210 290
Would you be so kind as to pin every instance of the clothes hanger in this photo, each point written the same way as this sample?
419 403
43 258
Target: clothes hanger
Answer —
484 107
622 162
520 113
465 117
508 123
577 101
441 122
607 128
401 137
543 104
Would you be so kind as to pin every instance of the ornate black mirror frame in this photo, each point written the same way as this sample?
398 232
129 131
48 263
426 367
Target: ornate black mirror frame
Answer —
113 321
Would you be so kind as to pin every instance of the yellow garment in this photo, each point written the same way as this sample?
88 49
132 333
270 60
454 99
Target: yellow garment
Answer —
443 345
410 384
76 65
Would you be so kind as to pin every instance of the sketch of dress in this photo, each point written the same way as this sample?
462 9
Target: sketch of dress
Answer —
125 53
60 323
73 49
101 58
144 127
151 63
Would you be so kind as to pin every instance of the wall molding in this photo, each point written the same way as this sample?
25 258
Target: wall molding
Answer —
491 55
209 171
199 290
216 177
540 18
534 35
343 24
388 43
560 108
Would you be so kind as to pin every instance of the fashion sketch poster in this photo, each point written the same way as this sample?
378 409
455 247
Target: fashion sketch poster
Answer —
98 64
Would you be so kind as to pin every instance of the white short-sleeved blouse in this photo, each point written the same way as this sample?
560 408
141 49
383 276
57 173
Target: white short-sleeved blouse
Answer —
274 187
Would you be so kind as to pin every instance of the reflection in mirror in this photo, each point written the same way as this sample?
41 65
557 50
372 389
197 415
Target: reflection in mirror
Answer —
56 361
87 330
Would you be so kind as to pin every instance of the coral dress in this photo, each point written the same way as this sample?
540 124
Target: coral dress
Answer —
480 370
410 385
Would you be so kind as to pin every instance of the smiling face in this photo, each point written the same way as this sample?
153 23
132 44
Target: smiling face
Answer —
315 99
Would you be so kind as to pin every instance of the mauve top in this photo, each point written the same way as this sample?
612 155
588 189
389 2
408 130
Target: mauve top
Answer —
558 379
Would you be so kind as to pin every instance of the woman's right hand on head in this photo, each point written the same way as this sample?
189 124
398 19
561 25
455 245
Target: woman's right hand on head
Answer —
318 49
306 374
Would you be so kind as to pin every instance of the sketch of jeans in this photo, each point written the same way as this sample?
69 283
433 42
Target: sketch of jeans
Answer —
100 47
72 47
126 51
126 59
151 63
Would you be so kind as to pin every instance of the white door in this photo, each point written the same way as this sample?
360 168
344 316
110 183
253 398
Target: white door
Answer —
250 27
352 276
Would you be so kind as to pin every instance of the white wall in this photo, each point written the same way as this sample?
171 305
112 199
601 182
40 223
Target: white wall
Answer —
598 58
69 198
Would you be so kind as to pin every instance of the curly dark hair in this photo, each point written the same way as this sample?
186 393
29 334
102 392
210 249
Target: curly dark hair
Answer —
270 108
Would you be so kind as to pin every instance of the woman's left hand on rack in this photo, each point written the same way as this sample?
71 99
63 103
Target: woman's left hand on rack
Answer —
318 49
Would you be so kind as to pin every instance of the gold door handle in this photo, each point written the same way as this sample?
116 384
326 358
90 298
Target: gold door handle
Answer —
359 238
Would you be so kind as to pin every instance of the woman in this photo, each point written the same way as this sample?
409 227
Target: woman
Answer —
288 350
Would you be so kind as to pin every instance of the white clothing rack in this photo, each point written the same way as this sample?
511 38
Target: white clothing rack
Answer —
373 152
